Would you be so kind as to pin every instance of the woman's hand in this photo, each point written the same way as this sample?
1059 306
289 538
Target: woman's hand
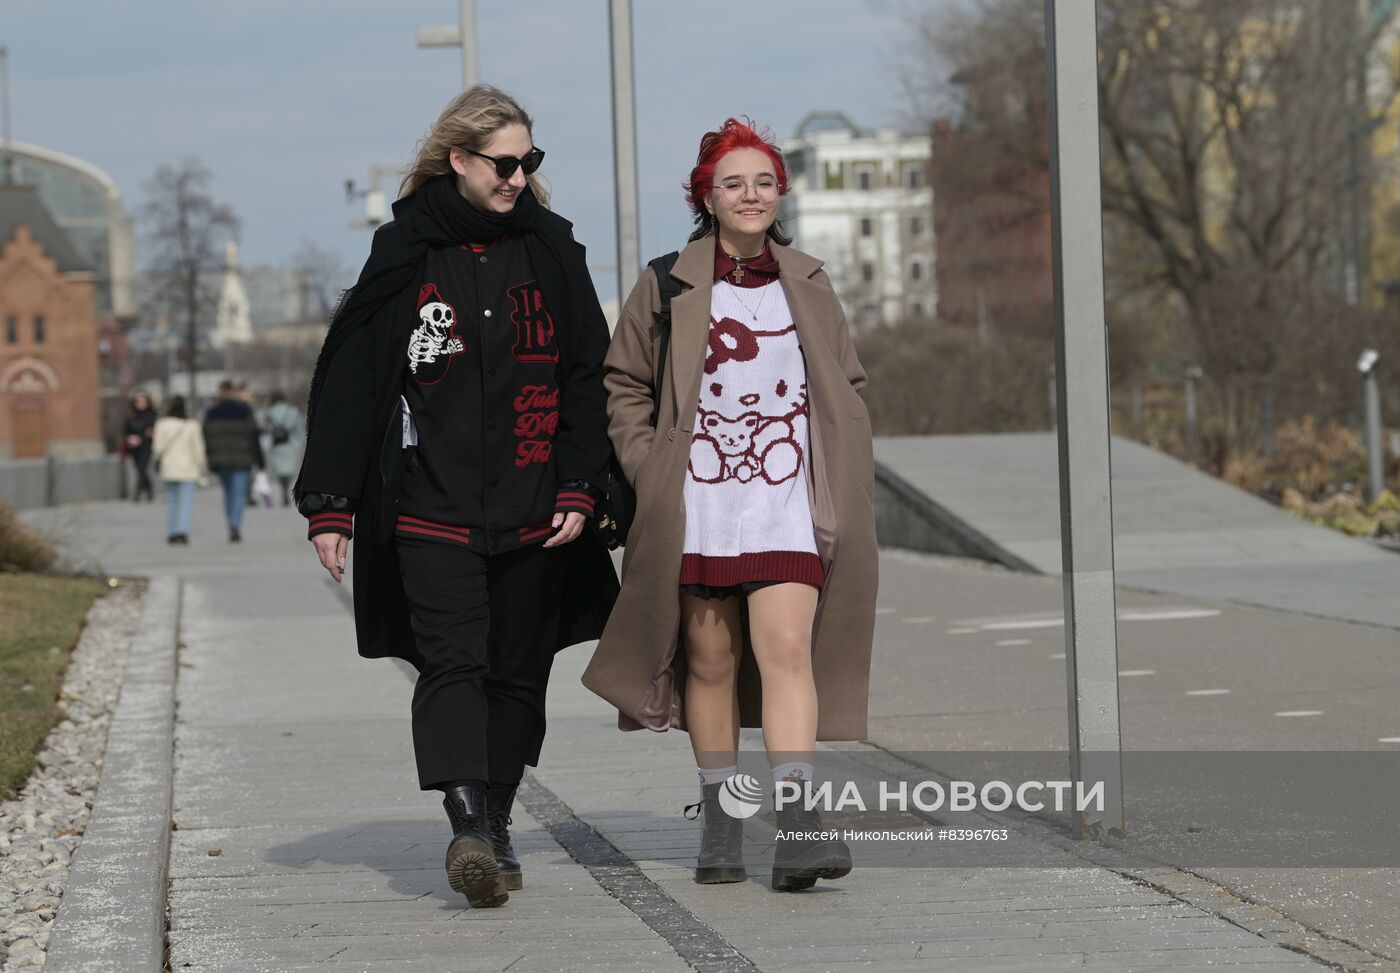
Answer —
331 548
572 527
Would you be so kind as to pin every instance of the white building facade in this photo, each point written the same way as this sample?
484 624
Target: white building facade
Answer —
861 202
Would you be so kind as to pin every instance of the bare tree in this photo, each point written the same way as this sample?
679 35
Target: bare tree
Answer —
187 233
324 277
1234 158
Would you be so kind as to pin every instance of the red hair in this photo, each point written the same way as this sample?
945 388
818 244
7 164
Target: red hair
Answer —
733 134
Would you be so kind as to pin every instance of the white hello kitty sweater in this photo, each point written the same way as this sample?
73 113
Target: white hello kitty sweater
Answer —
747 516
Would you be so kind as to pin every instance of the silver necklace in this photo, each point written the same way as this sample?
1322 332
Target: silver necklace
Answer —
752 310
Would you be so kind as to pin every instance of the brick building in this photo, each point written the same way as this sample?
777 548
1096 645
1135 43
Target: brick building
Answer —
49 403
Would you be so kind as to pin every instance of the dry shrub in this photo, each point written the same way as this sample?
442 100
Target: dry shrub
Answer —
21 549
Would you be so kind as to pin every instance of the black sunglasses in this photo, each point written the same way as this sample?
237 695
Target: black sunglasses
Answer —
507 164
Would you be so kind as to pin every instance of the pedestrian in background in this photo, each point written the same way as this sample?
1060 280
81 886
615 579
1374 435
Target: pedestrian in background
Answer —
287 436
136 442
231 437
178 445
755 522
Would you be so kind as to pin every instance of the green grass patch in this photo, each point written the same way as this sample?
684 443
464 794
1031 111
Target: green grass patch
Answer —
40 618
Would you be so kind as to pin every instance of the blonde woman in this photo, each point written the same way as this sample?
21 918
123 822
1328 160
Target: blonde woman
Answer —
457 423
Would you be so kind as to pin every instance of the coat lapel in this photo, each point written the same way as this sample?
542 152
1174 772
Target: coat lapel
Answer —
690 327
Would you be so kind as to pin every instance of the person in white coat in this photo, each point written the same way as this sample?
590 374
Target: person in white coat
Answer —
178 446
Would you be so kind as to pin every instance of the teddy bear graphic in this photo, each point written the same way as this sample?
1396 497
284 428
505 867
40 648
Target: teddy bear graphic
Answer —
749 410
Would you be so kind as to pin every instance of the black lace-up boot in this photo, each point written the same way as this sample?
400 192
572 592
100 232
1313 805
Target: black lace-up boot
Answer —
721 856
471 865
800 859
498 803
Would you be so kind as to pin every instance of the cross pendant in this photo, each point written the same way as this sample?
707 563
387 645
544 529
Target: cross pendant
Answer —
738 271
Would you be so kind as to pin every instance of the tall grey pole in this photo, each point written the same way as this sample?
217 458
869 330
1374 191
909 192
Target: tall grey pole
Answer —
629 260
463 37
466 26
1375 457
7 159
1086 504
1192 373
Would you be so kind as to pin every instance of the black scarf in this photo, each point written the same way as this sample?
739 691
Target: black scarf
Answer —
437 216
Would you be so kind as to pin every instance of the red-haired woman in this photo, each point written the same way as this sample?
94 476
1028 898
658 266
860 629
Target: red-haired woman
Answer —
750 451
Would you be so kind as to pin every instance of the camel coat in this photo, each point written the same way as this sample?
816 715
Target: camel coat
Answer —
637 666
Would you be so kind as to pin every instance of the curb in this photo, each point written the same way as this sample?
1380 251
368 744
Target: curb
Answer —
112 915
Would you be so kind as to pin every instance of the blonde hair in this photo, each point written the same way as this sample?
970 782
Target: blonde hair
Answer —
468 122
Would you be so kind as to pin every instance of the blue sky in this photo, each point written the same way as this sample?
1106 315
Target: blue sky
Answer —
286 100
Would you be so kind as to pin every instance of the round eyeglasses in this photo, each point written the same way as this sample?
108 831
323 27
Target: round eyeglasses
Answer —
733 190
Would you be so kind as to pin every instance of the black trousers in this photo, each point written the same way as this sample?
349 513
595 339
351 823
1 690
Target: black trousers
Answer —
487 627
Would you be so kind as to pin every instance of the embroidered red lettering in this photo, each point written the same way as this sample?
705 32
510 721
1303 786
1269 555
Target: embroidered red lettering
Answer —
534 325
536 397
532 451
533 424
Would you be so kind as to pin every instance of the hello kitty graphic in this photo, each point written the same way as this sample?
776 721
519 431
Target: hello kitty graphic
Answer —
753 400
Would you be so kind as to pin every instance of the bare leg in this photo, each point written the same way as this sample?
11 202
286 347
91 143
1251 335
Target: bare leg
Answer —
780 628
712 646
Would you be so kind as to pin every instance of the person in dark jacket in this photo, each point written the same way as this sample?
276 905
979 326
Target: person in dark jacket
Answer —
136 442
457 424
231 441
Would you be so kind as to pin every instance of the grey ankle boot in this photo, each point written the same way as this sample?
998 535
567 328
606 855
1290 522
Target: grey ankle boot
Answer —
721 858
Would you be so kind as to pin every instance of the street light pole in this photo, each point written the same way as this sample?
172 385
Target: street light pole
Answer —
1375 458
629 260
462 36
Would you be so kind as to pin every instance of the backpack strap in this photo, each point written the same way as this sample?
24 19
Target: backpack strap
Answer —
669 288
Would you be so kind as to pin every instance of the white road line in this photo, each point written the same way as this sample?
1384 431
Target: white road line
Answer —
921 620
1014 642
1023 623
1165 614
1058 655
959 631
1207 692
884 611
1138 672
1389 740
1300 712
1015 622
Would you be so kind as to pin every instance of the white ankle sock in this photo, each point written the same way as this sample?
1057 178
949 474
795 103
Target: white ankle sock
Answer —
793 770
716 775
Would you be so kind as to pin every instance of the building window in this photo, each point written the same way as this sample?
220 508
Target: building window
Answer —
865 179
12 330
867 226
867 272
38 329
914 177
869 314
917 309
916 271
916 226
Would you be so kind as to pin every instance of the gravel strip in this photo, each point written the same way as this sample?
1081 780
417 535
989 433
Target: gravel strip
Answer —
41 828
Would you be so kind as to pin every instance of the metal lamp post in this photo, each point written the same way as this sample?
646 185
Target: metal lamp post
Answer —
462 36
1375 458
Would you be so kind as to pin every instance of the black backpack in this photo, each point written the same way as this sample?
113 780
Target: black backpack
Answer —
619 503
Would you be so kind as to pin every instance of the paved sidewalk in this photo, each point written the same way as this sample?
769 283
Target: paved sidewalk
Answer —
301 841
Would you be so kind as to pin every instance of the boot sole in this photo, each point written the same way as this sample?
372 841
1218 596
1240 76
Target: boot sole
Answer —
720 874
514 879
797 879
472 871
